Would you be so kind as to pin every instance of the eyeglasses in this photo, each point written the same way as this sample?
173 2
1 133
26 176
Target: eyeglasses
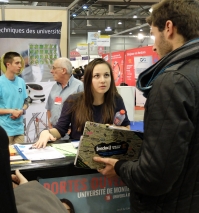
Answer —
54 68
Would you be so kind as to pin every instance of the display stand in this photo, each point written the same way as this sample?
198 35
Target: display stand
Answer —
128 95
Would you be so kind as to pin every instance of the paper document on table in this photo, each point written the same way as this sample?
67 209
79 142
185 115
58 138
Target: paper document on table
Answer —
46 153
16 157
20 162
65 148
75 144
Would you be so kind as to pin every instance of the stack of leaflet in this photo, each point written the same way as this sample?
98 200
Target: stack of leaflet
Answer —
66 148
28 153
12 150
15 158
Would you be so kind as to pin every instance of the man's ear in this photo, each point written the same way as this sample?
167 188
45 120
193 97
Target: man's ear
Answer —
64 71
7 65
169 29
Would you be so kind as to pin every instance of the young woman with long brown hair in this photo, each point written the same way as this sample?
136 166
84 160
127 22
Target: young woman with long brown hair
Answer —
98 103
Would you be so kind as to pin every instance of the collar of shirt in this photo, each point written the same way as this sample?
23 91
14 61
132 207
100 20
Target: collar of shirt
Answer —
69 81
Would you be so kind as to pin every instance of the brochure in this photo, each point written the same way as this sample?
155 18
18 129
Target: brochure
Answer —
29 153
104 141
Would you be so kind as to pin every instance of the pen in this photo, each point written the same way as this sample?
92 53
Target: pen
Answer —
32 147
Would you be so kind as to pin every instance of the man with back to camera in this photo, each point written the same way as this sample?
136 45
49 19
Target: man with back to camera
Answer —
65 85
13 98
165 177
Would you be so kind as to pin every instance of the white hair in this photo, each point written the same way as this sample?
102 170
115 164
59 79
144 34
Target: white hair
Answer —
65 63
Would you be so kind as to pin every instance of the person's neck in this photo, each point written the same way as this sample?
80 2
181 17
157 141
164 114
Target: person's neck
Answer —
9 75
178 42
64 81
98 100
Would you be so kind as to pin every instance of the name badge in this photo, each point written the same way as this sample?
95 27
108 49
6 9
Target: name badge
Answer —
58 100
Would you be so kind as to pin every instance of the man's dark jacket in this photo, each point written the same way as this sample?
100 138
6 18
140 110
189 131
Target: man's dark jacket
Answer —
165 178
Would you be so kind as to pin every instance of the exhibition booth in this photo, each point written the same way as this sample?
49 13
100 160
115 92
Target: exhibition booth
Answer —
41 35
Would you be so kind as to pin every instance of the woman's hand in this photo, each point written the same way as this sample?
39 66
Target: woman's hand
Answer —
44 137
18 179
109 170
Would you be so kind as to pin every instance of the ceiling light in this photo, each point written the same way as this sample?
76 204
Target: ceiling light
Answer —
130 33
74 15
140 36
141 30
108 29
73 32
151 10
119 22
84 7
134 16
99 31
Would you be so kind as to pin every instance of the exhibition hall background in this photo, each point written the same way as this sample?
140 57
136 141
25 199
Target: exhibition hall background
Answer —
128 55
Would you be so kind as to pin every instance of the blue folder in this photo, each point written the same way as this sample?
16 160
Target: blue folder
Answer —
137 126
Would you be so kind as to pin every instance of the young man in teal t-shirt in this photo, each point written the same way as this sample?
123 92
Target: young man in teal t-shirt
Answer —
13 98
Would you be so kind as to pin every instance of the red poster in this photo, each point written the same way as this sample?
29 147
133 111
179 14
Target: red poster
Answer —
74 53
117 66
127 65
136 61
129 68
117 62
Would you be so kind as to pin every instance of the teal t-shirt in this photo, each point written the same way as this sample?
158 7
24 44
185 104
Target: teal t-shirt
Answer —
12 96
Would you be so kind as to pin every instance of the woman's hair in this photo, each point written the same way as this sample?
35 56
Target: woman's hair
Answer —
183 14
82 107
67 202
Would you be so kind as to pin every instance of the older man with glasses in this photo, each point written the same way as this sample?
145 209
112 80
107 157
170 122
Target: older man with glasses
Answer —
65 85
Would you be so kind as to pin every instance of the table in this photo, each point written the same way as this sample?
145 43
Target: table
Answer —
51 168
59 167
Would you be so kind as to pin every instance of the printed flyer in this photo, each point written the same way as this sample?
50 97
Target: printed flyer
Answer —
117 63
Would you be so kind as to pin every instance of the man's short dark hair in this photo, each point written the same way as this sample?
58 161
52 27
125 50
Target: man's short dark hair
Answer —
183 13
9 56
